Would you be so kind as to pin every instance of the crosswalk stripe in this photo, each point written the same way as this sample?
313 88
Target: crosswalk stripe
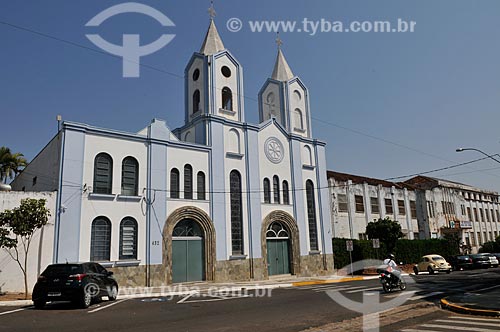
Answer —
476 319
460 328
336 288
468 323
363 290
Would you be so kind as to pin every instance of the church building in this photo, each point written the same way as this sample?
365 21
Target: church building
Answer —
218 199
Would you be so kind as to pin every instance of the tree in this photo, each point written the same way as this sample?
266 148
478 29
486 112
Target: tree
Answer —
491 246
22 223
386 230
10 163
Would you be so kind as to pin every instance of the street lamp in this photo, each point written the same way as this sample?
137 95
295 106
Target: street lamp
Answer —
474 149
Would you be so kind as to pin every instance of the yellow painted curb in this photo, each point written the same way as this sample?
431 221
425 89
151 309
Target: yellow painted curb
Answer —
322 282
457 308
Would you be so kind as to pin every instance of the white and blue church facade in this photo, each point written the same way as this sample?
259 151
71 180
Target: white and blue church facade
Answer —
218 199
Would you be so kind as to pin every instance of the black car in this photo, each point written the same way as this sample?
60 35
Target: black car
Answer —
79 283
461 262
480 261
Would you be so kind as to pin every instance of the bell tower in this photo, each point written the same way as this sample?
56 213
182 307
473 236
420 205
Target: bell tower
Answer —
214 80
285 98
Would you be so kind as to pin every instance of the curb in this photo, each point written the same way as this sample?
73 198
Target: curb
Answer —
16 303
464 310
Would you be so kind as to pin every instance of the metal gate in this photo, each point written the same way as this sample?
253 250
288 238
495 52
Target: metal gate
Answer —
188 259
278 256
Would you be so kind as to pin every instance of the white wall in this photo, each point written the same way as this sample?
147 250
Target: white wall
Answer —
40 254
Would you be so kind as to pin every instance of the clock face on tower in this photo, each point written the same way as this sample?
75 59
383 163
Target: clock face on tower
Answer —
274 150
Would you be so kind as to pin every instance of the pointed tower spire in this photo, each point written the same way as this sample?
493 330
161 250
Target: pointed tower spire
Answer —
212 43
282 71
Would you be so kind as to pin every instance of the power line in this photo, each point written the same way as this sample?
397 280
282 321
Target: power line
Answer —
439 169
71 43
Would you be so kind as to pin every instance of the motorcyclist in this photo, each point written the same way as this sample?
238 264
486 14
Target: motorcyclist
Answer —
392 267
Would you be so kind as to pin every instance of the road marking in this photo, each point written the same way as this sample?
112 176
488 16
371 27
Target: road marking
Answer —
362 290
13 311
475 318
460 328
335 288
107 306
414 330
469 323
185 298
484 289
423 296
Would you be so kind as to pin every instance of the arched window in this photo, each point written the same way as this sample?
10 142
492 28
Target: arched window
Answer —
103 174
100 240
174 183
307 156
128 238
276 189
311 215
286 194
196 101
299 119
188 182
227 99
236 213
267 191
200 183
234 141
130 176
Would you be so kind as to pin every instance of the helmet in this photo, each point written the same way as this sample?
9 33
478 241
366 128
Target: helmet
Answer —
391 256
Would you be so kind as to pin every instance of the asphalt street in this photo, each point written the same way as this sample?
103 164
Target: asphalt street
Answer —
288 309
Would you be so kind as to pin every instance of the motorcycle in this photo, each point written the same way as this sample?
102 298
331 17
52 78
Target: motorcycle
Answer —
390 282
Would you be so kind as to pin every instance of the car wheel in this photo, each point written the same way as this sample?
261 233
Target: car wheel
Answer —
431 271
415 270
85 300
113 293
39 304
402 285
448 272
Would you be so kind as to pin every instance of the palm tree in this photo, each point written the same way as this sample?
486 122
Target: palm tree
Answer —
10 164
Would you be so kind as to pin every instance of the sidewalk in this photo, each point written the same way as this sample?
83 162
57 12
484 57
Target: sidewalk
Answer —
486 303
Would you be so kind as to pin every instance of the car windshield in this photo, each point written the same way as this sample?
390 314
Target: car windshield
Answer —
58 269
437 258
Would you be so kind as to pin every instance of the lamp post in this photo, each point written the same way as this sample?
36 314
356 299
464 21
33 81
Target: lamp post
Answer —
477 150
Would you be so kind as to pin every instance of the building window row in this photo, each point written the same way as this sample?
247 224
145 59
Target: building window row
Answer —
276 191
100 242
103 175
375 207
188 183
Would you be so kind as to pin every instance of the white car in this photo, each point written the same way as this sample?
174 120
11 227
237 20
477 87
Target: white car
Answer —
493 260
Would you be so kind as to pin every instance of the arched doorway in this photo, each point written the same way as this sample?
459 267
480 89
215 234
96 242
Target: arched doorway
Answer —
280 240
193 225
188 254
278 249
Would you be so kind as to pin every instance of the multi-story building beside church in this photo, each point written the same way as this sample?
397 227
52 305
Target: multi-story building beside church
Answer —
217 199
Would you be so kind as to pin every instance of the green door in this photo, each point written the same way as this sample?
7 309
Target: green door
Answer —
187 259
278 260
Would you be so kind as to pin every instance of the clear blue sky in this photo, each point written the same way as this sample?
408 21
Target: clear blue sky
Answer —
432 90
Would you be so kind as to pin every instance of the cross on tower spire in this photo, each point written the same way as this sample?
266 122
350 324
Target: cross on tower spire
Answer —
211 10
279 42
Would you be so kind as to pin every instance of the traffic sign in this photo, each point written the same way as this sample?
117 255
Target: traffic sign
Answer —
376 243
350 246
